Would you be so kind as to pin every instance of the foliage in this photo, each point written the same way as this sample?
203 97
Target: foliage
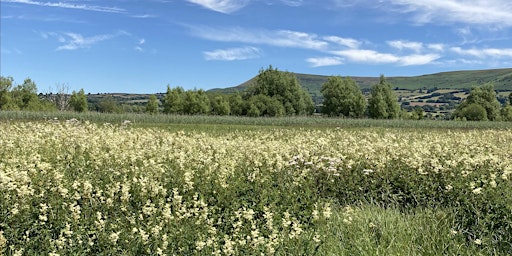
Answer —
220 105
174 100
483 96
196 102
383 103
22 97
78 101
109 105
506 112
285 88
342 97
152 105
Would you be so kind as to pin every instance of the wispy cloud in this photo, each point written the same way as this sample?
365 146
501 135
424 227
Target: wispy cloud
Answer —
325 61
86 7
348 42
407 45
223 6
242 53
74 41
484 52
342 49
281 38
485 12
375 57
139 45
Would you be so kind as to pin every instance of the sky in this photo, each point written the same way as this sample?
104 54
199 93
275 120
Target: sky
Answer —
141 46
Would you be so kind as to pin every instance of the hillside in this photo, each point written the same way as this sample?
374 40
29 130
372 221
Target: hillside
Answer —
502 79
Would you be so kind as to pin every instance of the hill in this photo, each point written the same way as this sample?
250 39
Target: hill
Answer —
502 79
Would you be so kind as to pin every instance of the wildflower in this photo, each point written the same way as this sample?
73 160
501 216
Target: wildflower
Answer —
367 171
327 211
478 241
477 191
114 236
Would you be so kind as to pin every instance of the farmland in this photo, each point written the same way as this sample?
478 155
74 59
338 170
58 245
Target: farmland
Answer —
280 187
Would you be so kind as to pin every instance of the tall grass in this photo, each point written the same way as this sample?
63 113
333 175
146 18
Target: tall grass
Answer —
293 121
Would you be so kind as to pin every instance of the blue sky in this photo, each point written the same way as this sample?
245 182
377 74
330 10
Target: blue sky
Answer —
141 46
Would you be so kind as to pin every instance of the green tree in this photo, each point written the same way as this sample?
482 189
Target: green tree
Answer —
342 97
174 100
236 104
78 101
6 102
383 103
266 105
285 88
109 105
152 106
485 96
510 98
474 112
196 102
25 95
506 112
220 105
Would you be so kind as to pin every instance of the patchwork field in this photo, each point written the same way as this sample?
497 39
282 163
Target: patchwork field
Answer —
80 188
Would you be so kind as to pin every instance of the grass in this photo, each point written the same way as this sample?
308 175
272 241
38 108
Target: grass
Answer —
241 123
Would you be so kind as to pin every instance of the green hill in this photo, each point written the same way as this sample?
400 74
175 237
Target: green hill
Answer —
502 79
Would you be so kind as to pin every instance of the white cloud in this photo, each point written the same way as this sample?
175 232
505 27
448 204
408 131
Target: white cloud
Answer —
485 12
242 53
374 57
281 38
74 41
70 6
223 6
400 45
436 47
367 56
325 61
348 42
484 53
417 59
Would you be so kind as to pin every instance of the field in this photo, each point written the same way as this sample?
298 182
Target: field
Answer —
171 185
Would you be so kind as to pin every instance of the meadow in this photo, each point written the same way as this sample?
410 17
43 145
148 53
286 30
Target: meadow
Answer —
242 186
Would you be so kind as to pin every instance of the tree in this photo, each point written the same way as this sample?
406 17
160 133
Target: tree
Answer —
152 106
78 101
342 97
485 96
61 98
383 103
236 104
174 100
474 112
6 102
266 106
506 112
510 98
25 95
109 105
285 88
220 105
196 102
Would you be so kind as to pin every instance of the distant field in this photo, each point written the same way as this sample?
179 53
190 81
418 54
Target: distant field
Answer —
235 122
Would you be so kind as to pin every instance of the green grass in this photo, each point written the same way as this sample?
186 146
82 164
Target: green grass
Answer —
243 123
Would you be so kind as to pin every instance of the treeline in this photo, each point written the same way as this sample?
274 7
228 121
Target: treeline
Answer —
274 93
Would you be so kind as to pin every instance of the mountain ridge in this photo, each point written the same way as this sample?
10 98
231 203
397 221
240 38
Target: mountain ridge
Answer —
460 79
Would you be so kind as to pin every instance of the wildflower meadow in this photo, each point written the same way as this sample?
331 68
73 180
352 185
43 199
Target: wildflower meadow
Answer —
80 188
